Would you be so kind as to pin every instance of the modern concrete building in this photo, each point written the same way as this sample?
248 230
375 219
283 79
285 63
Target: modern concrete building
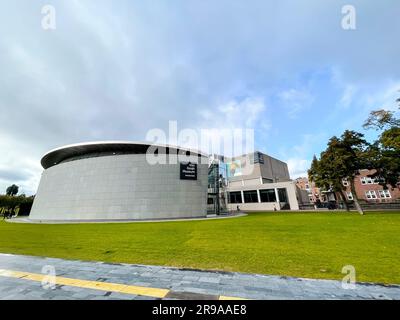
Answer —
255 182
115 181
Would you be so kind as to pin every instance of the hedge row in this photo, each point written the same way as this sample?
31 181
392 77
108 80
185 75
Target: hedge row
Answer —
19 205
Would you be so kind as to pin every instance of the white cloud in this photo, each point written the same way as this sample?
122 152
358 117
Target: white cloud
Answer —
348 95
19 165
115 70
383 97
223 121
295 101
241 114
300 155
298 167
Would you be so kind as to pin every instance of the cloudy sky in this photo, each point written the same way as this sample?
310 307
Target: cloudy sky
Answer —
113 70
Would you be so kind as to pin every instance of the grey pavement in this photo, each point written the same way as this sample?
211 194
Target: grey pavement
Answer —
182 283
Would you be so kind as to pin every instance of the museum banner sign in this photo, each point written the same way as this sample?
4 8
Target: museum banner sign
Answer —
188 171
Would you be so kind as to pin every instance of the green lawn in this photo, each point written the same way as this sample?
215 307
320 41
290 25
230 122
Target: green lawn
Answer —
315 245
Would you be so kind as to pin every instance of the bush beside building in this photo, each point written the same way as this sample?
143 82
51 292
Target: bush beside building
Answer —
15 205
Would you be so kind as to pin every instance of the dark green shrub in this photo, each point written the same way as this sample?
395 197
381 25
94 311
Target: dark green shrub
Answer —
20 205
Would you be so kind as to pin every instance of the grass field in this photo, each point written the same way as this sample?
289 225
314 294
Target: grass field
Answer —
314 245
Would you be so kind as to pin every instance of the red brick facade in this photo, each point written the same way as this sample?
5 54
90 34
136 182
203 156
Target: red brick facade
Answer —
314 193
369 190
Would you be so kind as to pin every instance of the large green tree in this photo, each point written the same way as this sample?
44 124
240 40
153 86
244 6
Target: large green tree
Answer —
343 158
12 190
384 154
381 119
325 175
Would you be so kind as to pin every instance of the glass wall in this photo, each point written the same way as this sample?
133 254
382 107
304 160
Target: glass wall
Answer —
282 195
250 196
268 195
235 197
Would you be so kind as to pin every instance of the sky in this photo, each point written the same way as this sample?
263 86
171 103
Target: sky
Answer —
113 70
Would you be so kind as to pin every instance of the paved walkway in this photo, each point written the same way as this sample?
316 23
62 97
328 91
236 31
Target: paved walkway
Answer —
21 278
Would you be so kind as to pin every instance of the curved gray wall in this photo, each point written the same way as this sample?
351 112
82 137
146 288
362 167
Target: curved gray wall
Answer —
120 187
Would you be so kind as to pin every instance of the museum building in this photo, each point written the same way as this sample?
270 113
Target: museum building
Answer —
119 180
115 180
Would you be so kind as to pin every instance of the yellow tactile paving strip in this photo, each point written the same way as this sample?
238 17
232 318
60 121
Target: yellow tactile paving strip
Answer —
96 285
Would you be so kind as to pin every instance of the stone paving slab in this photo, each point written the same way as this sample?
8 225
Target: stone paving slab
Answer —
182 283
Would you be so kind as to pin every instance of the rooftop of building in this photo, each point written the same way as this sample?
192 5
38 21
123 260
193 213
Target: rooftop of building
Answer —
101 148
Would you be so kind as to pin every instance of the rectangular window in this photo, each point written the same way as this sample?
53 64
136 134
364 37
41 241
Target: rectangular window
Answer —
350 196
235 197
282 193
267 195
385 194
371 194
250 196
369 180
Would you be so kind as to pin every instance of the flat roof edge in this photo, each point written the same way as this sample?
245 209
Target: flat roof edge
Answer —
54 156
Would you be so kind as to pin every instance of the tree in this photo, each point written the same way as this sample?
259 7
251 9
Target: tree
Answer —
384 154
343 158
352 151
12 190
324 175
379 119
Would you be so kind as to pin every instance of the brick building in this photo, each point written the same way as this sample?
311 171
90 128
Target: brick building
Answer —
367 188
313 192
370 190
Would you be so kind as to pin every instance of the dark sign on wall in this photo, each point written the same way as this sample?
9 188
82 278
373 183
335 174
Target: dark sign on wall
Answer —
188 171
